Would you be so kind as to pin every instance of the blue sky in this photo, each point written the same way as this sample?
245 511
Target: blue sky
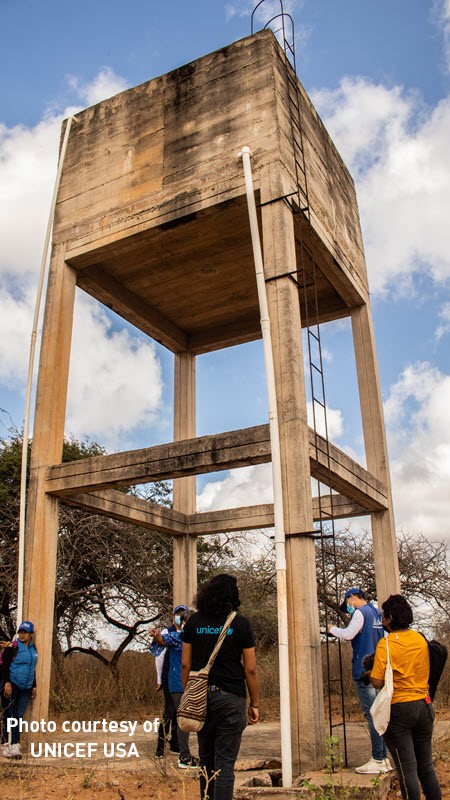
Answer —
379 74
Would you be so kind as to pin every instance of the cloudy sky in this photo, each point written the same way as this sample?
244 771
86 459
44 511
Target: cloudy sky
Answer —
379 74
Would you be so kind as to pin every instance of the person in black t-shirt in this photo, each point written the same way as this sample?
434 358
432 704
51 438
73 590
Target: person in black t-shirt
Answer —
233 671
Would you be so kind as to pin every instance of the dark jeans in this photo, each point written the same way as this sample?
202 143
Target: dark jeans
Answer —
183 737
14 707
366 697
408 738
167 731
218 744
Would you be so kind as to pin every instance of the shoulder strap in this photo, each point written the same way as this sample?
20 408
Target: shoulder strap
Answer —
387 650
219 642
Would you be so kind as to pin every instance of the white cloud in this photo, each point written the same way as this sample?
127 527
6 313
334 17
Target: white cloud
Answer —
115 379
104 85
16 322
415 382
334 421
28 164
399 154
444 315
267 10
241 487
420 456
27 173
442 17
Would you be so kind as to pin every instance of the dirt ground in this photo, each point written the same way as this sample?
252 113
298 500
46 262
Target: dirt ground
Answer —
35 782
147 778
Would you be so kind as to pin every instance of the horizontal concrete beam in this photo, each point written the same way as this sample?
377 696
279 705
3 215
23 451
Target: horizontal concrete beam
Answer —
128 508
261 516
136 511
174 460
206 454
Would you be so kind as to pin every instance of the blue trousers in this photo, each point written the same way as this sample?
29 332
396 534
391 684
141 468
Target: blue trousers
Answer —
408 737
14 707
366 696
218 744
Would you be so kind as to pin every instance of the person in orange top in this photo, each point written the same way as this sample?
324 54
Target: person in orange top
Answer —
408 735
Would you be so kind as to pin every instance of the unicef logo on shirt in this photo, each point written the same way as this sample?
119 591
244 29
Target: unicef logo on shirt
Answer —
213 631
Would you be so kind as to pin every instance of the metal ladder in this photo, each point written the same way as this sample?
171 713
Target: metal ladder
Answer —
306 280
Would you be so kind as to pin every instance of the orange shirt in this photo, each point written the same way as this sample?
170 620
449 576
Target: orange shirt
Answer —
410 661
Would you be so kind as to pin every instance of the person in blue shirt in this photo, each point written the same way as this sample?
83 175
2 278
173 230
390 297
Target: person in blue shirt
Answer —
172 640
18 683
364 632
168 728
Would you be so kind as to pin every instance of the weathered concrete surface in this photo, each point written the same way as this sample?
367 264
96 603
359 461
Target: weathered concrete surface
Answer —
260 751
262 743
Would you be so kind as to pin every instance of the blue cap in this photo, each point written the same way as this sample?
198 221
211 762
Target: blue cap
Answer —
349 592
181 607
26 626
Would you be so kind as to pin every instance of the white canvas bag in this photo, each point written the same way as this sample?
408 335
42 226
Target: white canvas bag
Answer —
380 709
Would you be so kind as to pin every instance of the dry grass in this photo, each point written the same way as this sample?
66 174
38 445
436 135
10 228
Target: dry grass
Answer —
84 687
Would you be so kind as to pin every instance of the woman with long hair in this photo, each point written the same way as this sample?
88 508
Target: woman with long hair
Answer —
233 671
408 735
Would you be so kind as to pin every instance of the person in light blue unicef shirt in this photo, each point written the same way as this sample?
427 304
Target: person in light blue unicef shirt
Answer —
18 682
364 631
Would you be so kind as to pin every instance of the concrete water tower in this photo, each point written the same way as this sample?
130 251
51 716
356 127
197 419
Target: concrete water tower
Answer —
151 220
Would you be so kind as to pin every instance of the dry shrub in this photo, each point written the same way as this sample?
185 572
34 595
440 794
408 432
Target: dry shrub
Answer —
442 700
85 687
269 683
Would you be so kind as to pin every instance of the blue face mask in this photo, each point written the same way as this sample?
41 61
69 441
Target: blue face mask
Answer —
177 619
350 609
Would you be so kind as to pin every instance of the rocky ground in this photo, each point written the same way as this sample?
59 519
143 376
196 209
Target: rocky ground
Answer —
143 777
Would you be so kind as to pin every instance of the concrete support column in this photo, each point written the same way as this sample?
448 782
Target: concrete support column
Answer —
184 547
307 711
48 437
383 527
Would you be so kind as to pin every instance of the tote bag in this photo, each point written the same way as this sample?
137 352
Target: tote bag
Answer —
191 712
380 709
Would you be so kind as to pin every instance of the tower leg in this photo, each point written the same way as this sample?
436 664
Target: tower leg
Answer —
383 528
306 689
184 547
48 438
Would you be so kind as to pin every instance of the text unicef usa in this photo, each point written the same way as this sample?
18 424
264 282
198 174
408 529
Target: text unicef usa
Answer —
78 749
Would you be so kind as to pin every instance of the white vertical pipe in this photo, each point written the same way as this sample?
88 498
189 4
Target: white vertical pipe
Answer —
26 423
280 552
